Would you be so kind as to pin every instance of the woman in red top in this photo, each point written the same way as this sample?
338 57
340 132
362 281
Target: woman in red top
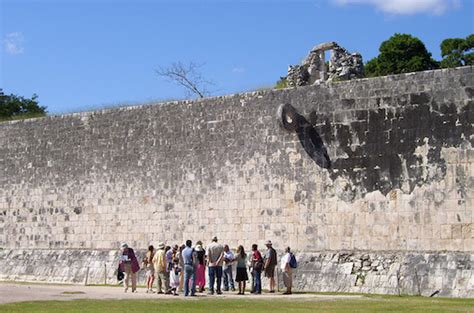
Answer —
257 266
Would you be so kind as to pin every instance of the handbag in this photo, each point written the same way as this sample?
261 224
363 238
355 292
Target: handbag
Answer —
120 275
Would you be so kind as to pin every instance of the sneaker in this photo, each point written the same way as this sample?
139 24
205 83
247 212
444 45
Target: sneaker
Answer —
160 292
226 289
272 291
210 293
233 289
219 292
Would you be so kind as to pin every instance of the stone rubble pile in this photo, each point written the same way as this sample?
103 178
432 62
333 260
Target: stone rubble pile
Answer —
343 65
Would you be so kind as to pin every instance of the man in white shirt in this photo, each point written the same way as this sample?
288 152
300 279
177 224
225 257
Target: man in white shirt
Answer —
228 260
286 269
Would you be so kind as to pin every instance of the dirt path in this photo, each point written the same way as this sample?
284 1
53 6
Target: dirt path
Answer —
11 292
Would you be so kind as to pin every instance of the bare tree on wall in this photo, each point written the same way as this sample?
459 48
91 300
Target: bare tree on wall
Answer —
187 75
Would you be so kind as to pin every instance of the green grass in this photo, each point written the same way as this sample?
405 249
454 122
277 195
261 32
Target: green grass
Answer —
369 304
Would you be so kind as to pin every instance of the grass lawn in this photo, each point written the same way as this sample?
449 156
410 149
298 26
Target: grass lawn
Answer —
370 304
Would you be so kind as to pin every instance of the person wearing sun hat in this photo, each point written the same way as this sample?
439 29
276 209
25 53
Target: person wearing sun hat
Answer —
270 262
129 266
159 262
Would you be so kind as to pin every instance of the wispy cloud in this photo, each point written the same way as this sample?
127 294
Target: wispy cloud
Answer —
13 43
238 70
406 7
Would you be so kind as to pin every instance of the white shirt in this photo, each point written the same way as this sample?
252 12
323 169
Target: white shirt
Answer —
284 260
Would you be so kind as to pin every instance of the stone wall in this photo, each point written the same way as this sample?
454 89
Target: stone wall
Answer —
400 149
395 273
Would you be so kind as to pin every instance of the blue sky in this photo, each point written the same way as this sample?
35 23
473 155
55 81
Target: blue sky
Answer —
80 55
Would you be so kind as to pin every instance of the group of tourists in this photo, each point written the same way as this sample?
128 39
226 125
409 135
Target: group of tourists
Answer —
183 268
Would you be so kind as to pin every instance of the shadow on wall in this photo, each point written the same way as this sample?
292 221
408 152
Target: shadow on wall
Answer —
309 138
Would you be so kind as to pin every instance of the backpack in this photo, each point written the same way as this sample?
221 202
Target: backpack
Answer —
293 262
273 260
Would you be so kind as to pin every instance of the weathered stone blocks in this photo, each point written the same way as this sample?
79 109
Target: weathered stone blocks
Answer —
400 176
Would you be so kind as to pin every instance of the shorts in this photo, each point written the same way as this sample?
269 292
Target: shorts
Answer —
270 271
150 271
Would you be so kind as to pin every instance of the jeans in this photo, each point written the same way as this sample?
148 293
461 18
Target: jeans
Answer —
215 272
189 275
228 280
257 282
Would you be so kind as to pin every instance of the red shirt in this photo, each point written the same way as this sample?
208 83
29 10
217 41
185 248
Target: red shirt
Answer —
256 255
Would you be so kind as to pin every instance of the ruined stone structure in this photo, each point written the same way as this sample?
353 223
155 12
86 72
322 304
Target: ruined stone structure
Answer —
342 66
369 181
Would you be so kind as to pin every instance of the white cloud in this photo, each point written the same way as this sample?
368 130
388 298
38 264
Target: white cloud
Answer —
400 7
13 43
238 70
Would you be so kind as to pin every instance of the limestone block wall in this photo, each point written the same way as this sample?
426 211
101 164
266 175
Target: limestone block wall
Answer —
400 179
388 272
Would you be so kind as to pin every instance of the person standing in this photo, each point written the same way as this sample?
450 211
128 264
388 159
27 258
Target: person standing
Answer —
257 266
270 262
150 270
201 267
189 258
159 262
228 277
215 257
181 265
174 276
287 271
169 253
241 277
129 266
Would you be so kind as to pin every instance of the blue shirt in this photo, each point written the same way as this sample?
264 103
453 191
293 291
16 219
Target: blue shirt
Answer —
188 255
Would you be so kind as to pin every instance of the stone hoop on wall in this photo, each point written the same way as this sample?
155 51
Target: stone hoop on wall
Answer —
290 120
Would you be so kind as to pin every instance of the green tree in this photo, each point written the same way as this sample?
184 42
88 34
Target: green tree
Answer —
401 53
18 107
457 52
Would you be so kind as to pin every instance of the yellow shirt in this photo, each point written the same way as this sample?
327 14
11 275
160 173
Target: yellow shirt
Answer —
159 261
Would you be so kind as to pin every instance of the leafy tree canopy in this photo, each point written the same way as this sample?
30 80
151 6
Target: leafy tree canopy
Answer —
17 107
401 53
457 52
